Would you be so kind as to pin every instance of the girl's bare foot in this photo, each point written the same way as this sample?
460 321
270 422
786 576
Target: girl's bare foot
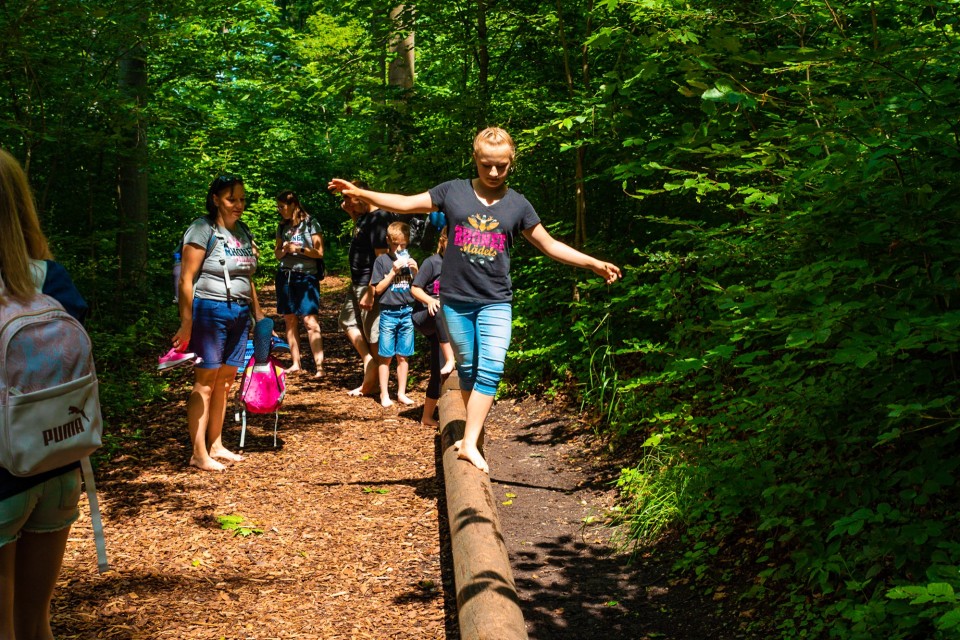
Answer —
385 401
206 465
402 397
319 373
293 369
429 422
472 455
226 454
447 369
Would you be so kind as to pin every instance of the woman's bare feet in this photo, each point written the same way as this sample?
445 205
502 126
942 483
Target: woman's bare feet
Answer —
206 465
319 373
226 454
402 397
472 455
293 369
385 401
448 368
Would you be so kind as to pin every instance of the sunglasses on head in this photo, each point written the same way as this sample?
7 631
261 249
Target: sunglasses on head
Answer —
227 179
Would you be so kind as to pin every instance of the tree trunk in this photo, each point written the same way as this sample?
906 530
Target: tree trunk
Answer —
483 64
132 243
580 221
401 71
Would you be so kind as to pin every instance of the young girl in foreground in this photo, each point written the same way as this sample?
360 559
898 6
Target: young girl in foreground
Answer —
483 218
36 512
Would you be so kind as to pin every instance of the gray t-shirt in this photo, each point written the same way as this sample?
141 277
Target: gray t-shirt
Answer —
240 260
303 234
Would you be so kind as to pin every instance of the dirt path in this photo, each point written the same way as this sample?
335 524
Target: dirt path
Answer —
347 506
552 478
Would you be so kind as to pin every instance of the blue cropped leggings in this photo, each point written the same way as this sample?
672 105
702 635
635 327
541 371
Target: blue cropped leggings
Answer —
479 334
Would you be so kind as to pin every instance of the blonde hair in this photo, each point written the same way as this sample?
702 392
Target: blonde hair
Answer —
399 232
494 137
21 238
442 241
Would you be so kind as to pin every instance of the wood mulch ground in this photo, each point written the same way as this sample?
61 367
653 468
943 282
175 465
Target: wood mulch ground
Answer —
346 526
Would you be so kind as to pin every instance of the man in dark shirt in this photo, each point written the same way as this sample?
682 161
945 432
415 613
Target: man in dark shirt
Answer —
360 314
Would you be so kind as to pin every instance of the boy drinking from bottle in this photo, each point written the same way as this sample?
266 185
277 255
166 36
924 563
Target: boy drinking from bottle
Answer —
393 273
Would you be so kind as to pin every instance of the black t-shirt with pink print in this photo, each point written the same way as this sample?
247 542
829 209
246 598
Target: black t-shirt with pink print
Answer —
476 263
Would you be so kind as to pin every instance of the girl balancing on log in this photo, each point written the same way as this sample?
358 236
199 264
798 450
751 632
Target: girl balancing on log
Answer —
483 218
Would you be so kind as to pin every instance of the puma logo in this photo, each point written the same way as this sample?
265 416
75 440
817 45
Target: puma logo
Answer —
68 430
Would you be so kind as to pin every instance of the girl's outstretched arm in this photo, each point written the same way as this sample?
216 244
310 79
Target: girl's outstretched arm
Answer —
542 240
394 202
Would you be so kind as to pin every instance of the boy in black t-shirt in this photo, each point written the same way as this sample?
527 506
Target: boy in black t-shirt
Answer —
392 274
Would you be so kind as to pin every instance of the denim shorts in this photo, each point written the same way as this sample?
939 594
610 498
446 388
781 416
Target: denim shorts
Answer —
219 334
49 506
298 293
396 331
480 335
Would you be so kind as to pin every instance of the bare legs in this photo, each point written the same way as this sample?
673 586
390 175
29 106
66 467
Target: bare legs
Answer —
293 339
383 370
478 406
366 351
8 563
314 336
29 569
403 368
429 407
206 410
448 362
312 323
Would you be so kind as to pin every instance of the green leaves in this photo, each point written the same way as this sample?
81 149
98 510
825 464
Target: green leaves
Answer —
239 525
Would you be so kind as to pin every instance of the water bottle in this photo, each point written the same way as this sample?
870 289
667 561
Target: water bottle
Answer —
176 276
403 254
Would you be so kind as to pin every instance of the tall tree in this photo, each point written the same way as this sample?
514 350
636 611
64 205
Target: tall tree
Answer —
401 71
132 237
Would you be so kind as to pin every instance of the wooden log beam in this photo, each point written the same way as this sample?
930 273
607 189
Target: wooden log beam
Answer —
487 604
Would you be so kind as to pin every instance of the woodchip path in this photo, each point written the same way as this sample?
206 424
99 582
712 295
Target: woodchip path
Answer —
343 535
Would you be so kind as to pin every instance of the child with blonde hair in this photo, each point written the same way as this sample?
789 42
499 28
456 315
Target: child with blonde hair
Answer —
393 272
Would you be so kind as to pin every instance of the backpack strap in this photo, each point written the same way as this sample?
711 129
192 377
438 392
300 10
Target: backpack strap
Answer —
223 260
216 236
95 520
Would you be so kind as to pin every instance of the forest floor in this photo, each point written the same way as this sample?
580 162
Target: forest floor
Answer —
342 526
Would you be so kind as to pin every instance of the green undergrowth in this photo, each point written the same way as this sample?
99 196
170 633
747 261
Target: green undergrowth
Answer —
784 350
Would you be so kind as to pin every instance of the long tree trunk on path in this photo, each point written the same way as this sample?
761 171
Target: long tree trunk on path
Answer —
132 169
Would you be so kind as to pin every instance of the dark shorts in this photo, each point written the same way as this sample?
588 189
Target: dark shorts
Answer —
297 293
219 333
429 325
